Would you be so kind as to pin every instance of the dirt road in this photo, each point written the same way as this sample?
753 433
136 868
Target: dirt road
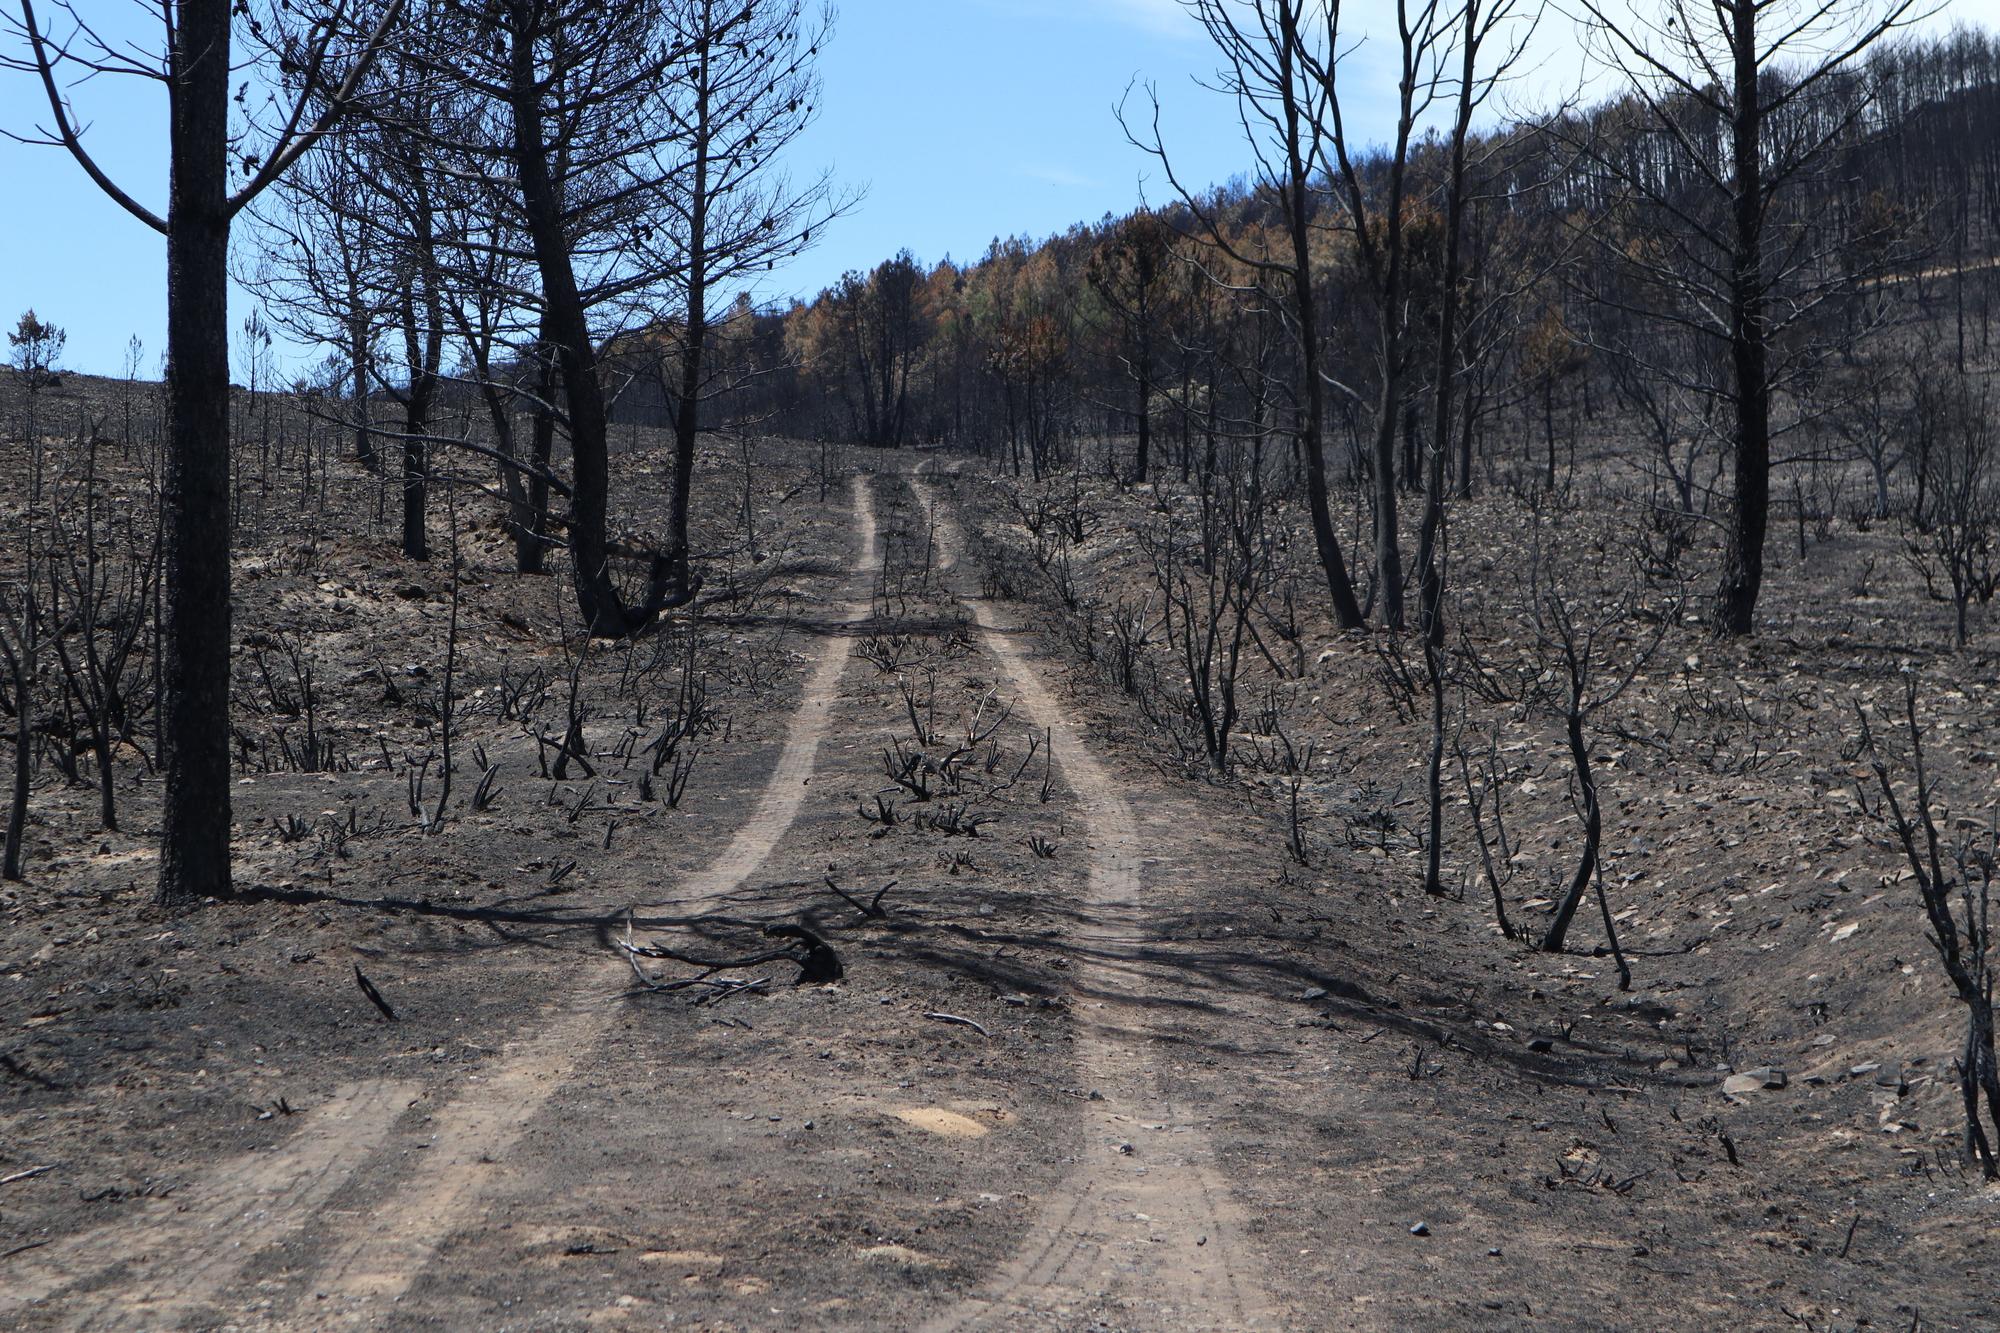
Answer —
1142 1233
1109 1051
373 1259
398 1203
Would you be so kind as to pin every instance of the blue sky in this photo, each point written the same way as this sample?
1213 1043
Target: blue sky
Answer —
962 119
968 119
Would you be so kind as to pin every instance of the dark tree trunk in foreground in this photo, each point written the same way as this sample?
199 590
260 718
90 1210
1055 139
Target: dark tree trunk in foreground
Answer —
195 619
1346 610
1743 562
568 327
687 412
416 489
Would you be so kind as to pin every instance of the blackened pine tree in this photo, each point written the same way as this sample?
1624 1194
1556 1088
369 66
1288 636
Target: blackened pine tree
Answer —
318 52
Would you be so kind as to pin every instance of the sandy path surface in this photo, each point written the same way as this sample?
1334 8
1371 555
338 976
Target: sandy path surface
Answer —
1143 1233
174 1259
388 1248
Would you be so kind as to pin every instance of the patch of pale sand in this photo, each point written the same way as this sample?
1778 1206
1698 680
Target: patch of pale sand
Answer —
691 1264
940 1121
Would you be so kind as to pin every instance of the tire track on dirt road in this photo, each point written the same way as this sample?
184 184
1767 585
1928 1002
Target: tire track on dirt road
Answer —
181 1258
386 1248
1143 1234
182 1248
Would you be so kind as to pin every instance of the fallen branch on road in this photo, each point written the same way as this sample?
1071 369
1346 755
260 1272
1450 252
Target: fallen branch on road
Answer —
978 1027
816 960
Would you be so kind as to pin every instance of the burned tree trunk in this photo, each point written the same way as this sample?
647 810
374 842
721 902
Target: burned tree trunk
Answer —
568 326
360 354
19 645
1340 587
1749 340
195 624
687 411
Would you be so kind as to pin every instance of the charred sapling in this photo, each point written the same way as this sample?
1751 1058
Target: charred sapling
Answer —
1952 542
20 651
1594 659
1955 888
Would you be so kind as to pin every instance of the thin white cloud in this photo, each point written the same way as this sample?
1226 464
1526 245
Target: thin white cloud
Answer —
1168 18
1155 18
1055 175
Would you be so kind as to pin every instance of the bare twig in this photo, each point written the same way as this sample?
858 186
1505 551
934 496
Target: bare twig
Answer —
374 996
980 1028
